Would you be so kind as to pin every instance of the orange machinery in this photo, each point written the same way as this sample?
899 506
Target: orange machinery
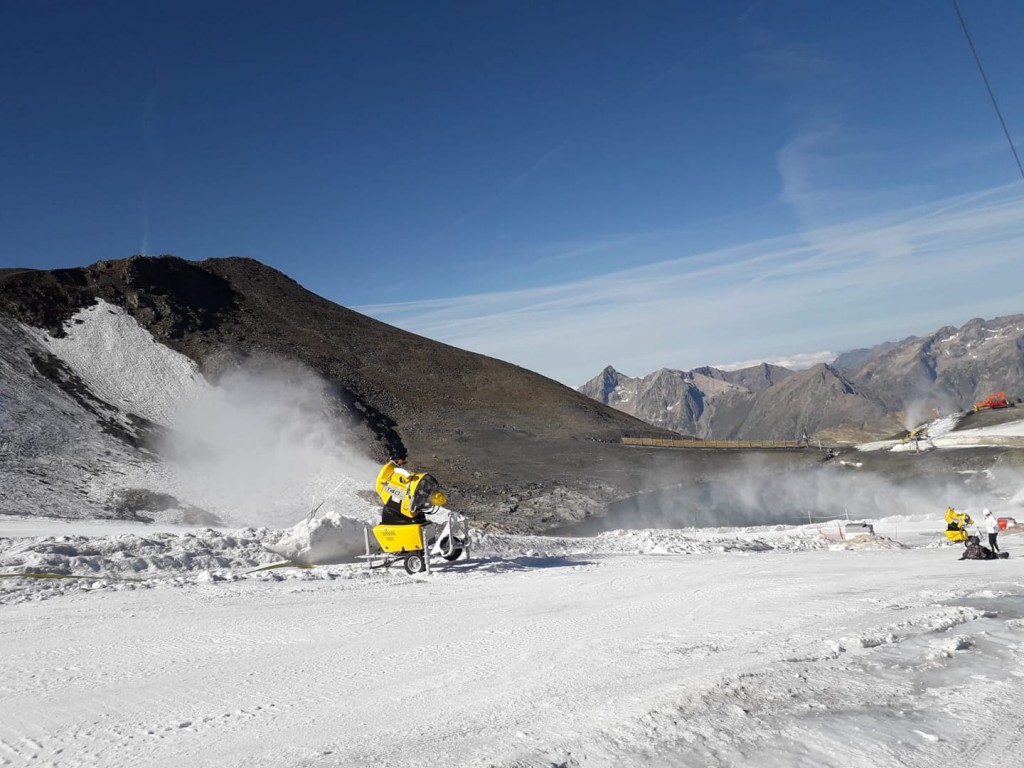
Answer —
998 400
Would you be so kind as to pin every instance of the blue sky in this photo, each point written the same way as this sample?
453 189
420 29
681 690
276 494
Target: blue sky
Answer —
563 185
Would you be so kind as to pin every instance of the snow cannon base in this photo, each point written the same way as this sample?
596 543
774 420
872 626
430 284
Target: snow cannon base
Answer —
399 538
414 544
957 536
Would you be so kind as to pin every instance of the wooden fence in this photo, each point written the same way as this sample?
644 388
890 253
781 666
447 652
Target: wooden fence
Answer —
728 444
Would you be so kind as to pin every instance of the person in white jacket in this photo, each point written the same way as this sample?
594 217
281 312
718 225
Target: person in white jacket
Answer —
991 528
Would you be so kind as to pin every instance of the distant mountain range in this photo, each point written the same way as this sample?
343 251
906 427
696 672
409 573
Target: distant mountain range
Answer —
863 393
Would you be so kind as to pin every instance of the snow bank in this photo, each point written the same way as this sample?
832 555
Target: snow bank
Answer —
129 560
867 541
333 541
331 538
645 542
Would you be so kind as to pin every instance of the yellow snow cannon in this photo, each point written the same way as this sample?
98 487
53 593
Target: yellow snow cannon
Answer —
956 524
405 533
917 433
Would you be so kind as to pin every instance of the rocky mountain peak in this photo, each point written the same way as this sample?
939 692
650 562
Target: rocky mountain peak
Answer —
951 368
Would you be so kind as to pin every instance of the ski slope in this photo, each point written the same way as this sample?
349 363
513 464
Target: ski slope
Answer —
757 647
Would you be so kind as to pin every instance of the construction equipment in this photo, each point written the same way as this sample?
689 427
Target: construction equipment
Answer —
956 524
415 526
997 400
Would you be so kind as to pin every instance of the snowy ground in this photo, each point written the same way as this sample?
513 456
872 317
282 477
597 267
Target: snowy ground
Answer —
762 647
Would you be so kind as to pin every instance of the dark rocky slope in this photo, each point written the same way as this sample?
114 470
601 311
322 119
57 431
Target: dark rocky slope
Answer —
506 440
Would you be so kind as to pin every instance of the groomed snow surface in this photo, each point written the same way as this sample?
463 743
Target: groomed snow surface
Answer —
773 646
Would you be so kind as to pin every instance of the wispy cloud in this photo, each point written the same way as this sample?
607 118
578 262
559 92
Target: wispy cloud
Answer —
848 285
867 261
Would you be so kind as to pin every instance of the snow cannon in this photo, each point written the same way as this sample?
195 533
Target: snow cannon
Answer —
956 525
917 433
414 523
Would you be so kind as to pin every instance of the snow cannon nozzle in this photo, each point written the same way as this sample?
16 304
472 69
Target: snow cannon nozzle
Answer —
407 496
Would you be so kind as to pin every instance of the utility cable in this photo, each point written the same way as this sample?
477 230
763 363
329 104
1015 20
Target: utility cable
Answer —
984 77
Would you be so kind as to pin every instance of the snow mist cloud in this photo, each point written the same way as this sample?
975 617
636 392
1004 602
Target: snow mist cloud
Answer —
755 492
264 444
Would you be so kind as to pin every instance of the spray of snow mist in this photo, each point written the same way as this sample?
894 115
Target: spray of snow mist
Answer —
263 443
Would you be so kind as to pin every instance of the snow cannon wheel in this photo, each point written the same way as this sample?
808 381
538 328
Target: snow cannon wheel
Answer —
414 563
454 545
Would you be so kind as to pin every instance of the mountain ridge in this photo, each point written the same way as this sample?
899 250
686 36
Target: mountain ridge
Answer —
874 391
502 438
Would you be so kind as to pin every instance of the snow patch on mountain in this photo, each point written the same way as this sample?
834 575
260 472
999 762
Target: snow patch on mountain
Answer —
107 422
124 364
942 433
